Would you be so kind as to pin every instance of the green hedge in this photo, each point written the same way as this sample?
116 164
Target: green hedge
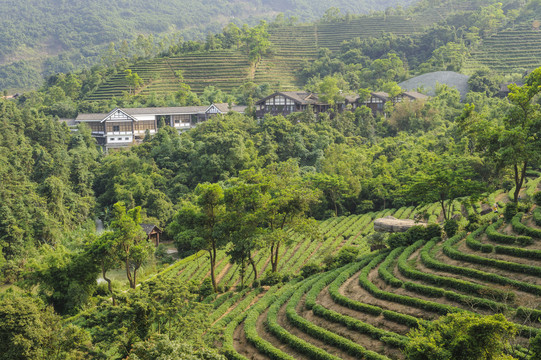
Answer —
340 299
239 308
520 228
322 334
526 313
401 299
250 327
227 345
284 336
537 216
453 253
496 236
442 281
347 302
475 244
387 274
518 252
432 263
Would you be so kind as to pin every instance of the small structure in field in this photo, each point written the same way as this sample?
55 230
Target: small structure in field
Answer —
153 232
392 224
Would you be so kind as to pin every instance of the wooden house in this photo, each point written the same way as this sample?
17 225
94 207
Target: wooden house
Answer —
377 100
123 127
287 102
153 233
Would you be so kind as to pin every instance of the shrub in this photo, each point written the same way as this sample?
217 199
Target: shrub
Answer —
271 278
450 227
397 240
537 198
310 269
433 231
507 185
347 255
473 222
206 289
415 233
510 211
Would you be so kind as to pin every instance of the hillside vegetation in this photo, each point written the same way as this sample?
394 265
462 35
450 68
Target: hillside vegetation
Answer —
457 36
39 39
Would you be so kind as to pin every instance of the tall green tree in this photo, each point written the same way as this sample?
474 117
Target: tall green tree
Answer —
443 181
514 142
199 223
286 209
245 199
103 249
131 242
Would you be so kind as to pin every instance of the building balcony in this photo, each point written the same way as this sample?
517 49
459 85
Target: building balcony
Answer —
261 113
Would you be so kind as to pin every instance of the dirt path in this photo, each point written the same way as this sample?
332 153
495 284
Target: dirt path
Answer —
440 256
325 300
260 326
283 322
244 347
353 290
222 273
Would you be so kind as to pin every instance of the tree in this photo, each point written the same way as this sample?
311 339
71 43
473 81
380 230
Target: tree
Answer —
29 330
334 187
257 41
330 91
244 199
485 81
104 251
133 80
130 240
443 181
199 223
289 200
66 280
514 143
462 337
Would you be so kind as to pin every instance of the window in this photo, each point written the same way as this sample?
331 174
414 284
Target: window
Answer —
126 138
111 139
116 128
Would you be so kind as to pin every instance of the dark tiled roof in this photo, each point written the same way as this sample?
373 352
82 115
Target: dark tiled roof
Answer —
69 122
90 117
351 98
300 97
415 95
381 95
165 110
149 227
223 107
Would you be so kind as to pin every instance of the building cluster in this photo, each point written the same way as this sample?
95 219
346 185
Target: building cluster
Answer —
124 127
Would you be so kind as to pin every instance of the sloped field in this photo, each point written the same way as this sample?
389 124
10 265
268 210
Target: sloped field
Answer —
509 51
363 310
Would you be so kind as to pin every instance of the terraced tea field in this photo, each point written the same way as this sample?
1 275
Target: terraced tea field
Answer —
224 69
365 309
228 69
509 51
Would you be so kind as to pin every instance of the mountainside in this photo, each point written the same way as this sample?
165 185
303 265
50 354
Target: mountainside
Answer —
43 37
460 36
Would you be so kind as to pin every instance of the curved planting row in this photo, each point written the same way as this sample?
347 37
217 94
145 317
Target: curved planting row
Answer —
364 309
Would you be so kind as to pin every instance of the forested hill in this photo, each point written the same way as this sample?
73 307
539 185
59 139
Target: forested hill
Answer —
40 38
